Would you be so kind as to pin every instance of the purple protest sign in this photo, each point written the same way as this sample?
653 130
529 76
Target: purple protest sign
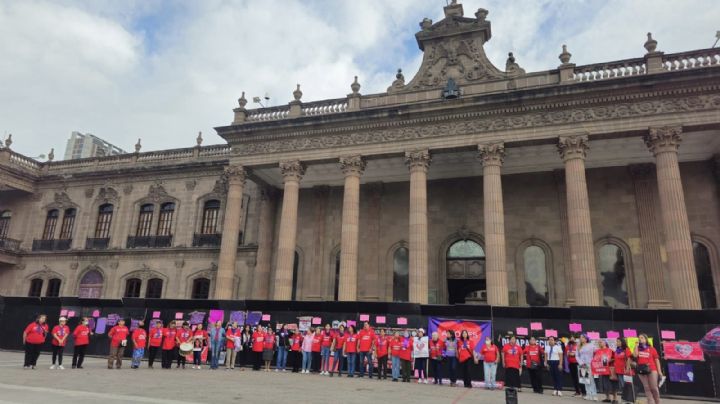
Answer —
681 372
101 324
112 319
477 330
134 324
91 323
197 317
237 317
253 317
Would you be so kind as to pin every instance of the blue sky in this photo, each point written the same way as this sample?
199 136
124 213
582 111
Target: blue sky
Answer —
164 70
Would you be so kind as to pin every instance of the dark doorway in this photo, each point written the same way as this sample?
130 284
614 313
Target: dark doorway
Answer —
460 290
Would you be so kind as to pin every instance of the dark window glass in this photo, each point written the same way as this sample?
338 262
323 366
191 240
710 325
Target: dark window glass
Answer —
296 269
708 299
91 285
67 224
35 288
53 287
536 287
50 223
105 214
400 275
210 217
145 220
201 288
613 276
165 221
154 288
5 217
132 287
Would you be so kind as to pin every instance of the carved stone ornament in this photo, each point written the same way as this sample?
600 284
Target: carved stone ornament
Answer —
221 186
512 68
292 170
235 174
663 139
491 154
114 264
179 263
157 193
61 200
74 265
352 165
107 195
573 147
418 159
37 196
190 185
127 189
89 192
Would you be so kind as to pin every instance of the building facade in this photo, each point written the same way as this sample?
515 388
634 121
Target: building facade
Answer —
83 145
580 185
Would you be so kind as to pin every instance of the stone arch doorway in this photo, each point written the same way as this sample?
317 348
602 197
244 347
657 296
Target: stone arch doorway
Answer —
465 263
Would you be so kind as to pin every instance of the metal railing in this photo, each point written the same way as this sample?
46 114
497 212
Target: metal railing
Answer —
149 241
9 244
97 243
51 245
207 240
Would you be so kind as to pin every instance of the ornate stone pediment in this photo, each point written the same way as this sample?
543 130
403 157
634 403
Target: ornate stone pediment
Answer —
61 201
107 195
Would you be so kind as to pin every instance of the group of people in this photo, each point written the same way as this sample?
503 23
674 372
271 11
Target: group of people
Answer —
594 367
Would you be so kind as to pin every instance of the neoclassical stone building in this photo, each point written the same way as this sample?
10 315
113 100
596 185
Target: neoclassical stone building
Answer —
579 185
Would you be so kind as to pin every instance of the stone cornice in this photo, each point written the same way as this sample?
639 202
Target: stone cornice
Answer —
111 253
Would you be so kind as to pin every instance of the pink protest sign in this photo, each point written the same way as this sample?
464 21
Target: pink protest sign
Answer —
364 317
593 335
216 315
521 331
380 319
71 314
351 323
667 334
613 334
536 326
316 320
96 313
550 333
629 333
575 327
178 315
265 317
156 314
402 321
63 312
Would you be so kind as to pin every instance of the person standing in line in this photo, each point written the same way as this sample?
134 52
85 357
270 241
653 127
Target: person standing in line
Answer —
168 345
268 347
316 348
466 354
337 350
450 353
200 338
436 347
406 356
534 364
395 348
491 356
307 344
511 360
586 351
381 353
571 353
60 334
648 368
603 362
183 335
155 342
350 350
217 341
232 335
118 341
258 342
621 366
421 352
246 354
325 346
554 362
366 339
82 334
139 340
33 338
283 344
296 350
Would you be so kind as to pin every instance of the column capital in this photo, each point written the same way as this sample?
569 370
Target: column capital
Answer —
418 159
491 154
235 174
663 139
352 165
292 170
573 147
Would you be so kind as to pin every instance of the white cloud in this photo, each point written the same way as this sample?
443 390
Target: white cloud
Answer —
164 70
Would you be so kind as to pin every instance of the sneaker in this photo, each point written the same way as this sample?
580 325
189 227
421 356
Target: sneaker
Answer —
559 393
277 370
32 367
419 381
80 367
61 367
52 367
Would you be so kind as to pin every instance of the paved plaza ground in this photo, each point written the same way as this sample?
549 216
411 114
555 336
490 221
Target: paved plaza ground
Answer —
97 384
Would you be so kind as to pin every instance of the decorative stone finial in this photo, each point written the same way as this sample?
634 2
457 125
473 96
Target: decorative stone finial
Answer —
400 76
51 155
650 44
511 67
138 146
199 138
297 93
425 24
8 140
565 55
481 14
242 101
355 86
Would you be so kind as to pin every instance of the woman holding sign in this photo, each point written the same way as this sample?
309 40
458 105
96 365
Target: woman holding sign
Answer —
33 338
420 354
602 365
648 368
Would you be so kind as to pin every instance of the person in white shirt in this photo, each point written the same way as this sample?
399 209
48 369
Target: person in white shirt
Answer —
421 352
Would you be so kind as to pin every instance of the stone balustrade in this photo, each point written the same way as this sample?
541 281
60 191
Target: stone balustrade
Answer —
612 70
692 59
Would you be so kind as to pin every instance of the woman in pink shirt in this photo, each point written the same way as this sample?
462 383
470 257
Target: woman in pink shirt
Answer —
307 344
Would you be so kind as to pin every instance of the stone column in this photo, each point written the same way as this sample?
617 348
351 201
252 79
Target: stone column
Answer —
418 163
266 225
663 143
231 231
492 156
292 172
645 201
573 150
353 168
559 176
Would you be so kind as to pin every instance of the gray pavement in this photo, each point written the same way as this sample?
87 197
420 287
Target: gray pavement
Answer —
97 384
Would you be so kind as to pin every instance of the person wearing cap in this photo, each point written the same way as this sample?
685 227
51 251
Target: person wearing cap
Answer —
118 341
33 338
60 334
82 334
183 335
420 354
155 341
139 340
436 348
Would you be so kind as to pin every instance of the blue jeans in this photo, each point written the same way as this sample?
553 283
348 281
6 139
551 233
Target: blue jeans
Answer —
137 356
452 367
351 363
307 360
395 367
490 370
557 375
337 363
325 361
281 361
361 359
215 355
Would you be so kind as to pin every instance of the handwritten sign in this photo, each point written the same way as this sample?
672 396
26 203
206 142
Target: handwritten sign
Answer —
629 332
613 334
593 335
179 315
380 319
316 321
402 321
237 317
63 312
197 317
575 327
551 333
71 314
96 313
364 317
100 326
156 314
667 334
536 326
265 317
112 319
216 315
351 323
521 331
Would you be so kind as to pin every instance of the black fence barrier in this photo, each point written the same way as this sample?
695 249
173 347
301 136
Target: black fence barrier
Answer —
688 325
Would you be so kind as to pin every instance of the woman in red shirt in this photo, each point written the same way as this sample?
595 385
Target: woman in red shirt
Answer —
381 353
182 336
168 345
396 343
139 339
258 341
511 358
602 364
350 350
268 348
648 368
534 363
436 359
405 354
118 341
491 357
33 338
60 334
200 341
621 366
466 355
231 334
295 350
155 341
82 339
571 354
316 348
337 350
325 345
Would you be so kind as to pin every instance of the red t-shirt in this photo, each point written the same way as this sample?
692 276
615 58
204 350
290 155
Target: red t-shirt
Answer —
489 353
230 335
258 339
647 357
513 355
340 340
269 342
156 336
621 360
296 342
465 350
533 353
366 338
62 333
35 333
381 344
436 348
139 337
327 338
184 335
602 361
199 336
169 338
317 342
406 349
350 343
571 352
395 346
82 335
118 334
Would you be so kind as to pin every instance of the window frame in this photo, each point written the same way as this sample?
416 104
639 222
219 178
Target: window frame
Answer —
133 287
165 219
54 285
194 293
68 223
5 220
103 224
149 286
210 217
36 287
51 219
145 219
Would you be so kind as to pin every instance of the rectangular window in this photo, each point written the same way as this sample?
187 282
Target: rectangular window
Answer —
67 224
165 221
210 218
50 223
102 230
145 221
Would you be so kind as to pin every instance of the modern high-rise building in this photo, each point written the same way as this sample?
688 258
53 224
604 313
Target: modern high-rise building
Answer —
81 145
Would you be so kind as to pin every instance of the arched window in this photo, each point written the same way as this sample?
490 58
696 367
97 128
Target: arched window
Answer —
166 216
105 214
337 276
154 288
703 268
145 220
132 287
50 223
91 284
536 285
611 261
67 224
211 210
35 287
201 288
465 249
5 217
296 269
465 263
401 275
53 287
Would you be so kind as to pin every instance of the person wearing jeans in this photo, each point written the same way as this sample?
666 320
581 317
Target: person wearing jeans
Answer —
350 350
585 354
396 344
553 361
325 347
217 340
450 352
491 356
337 350
283 343
366 341
139 340
307 351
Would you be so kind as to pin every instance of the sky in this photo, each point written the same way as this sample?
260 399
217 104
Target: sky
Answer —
162 70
